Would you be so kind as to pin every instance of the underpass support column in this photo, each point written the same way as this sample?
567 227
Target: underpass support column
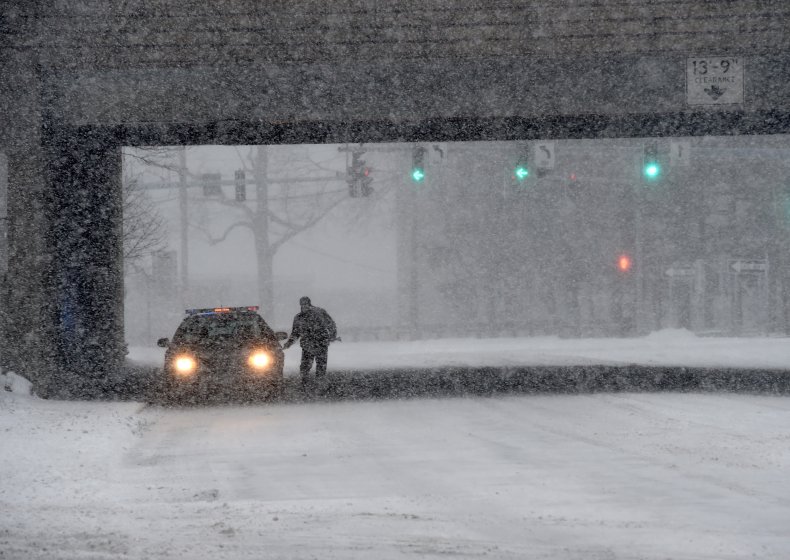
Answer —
87 269
28 345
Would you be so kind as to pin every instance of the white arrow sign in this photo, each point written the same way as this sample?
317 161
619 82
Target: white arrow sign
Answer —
544 155
679 153
679 272
749 266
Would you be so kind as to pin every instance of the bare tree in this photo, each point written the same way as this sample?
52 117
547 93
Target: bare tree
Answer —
273 220
143 227
277 213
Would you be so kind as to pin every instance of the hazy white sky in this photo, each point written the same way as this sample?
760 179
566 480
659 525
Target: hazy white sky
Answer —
354 246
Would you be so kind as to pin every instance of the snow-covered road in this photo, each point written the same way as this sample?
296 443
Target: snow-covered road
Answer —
588 477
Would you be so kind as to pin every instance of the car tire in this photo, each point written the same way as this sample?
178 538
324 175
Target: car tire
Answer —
272 389
276 389
158 390
169 392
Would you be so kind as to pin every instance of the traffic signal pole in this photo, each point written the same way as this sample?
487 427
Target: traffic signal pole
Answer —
184 225
265 258
639 310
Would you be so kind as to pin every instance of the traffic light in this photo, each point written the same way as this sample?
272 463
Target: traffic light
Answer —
241 185
212 184
521 168
365 182
352 174
418 164
359 176
573 187
784 209
651 165
624 263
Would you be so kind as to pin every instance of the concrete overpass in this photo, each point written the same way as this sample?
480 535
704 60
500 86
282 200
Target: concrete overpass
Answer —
82 78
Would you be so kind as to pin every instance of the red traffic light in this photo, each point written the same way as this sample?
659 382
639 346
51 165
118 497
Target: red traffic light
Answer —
624 263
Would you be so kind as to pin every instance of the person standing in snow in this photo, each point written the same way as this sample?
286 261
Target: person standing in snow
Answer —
315 329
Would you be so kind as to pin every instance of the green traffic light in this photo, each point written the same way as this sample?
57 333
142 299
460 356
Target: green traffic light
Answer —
652 170
521 173
417 175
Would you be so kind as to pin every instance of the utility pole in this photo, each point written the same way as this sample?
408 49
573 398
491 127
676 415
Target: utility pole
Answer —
261 232
184 217
639 311
414 280
258 220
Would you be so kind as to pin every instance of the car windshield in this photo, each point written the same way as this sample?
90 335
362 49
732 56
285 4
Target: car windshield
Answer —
218 328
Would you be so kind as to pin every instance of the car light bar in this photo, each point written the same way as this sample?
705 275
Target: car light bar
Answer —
212 310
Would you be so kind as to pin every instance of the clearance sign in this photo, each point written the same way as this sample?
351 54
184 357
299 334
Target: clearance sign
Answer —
714 80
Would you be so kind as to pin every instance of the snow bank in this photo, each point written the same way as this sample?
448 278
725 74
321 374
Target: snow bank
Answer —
672 348
14 383
60 440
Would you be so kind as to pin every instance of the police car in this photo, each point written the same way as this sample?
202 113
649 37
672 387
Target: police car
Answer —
224 347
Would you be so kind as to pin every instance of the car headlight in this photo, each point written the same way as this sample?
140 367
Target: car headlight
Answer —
184 365
259 359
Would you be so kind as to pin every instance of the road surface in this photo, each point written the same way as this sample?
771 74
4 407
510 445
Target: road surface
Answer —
602 476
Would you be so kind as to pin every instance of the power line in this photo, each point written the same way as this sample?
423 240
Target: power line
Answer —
340 259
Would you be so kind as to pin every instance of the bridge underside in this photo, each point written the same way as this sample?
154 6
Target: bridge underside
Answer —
440 129
74 105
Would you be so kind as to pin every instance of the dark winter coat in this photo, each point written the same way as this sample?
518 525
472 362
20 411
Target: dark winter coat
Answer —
314 328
